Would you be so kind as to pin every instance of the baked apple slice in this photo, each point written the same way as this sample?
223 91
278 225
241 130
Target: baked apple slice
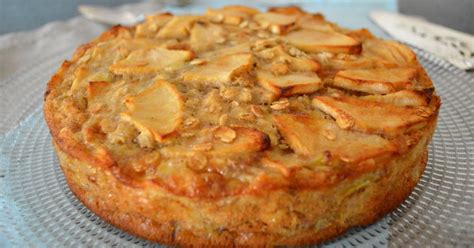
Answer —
246 140
289 84
96 88
286 164
204 36
277 23
287 10
412 98
83 75
242 48
178 27
151 60
157 110
221 141
323 41
312 136
151 25
316 23
334 64
220 70
232 14
278 53
389 53
126 45
370 116
376 81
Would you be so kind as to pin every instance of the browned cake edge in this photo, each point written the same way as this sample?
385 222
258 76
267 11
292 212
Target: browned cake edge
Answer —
121 205
361 208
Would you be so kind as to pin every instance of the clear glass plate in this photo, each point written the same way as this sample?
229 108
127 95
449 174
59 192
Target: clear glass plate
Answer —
37 209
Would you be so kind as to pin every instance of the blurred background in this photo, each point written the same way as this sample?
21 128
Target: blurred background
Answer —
21 15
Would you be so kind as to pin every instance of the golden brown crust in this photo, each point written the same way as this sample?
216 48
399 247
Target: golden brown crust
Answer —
283 115
167 233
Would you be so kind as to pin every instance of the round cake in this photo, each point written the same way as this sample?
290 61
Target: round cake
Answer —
241 127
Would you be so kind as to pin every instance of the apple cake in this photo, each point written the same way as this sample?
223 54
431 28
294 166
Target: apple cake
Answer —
240 127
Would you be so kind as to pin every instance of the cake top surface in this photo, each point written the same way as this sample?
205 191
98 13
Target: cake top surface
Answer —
238 101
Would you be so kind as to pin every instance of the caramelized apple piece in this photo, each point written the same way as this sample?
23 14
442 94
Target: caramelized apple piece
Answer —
178 27
83 75
335 64
240 9
316 23
278 53
290 84
376 81
411 98
370 116
321 41
243 48
204 36
277 23
287 10
313 136
96 88
151 60
128 45
389 53
157 110
361 35
232 14
151 25
287 164
220 70
244 140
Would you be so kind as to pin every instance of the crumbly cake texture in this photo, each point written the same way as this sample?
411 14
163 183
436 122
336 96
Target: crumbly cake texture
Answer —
241 127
